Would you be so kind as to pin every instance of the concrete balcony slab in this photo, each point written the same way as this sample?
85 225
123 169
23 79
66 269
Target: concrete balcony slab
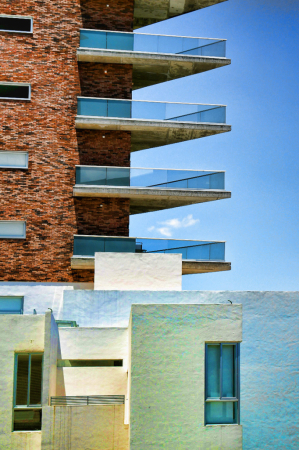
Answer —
153 68
147 12
188 268
152 133
145 199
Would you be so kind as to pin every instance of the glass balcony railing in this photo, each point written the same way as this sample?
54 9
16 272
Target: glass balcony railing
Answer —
196 250
152 43
155 178
146 110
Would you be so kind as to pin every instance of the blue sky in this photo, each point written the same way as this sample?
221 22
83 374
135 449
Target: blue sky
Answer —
260 154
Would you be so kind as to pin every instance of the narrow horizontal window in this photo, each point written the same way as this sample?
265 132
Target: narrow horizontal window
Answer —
12 229
15 91
89 362
27 420
16 24
11 305
14 160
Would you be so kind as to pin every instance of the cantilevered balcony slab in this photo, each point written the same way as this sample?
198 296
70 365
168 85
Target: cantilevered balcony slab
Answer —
150 189
155 58
152 124
147 12
198 256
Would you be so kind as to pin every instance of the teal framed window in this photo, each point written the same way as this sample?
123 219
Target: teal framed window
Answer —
222 383
28 391
11 305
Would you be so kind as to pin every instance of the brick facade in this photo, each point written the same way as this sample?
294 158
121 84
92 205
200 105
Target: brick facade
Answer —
45 127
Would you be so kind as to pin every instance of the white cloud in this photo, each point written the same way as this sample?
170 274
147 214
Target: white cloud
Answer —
171 224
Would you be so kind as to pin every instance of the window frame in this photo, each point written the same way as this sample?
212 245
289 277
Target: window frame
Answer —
11 236
13 83
237 382
14 312
14 16
14 167
28 406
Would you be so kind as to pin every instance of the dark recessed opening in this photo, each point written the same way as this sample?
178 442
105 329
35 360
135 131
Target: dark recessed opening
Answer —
16 24
89 363
14 91
27 420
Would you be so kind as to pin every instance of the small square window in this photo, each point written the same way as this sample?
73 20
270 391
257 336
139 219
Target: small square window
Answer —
222 384
16 24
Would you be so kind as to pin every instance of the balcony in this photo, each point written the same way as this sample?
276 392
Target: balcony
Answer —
198 256
154 58
147 12
150 189
152 124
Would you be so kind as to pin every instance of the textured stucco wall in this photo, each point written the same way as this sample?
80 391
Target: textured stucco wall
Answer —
133 271
168 375
27 336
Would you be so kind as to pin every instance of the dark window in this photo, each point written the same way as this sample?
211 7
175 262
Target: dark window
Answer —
17 24
15 91
89 362
27 419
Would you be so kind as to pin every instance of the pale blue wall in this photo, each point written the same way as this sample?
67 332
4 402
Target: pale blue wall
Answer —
269 352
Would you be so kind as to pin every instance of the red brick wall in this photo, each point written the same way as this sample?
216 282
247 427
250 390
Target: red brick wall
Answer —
45 127
116 15
106 80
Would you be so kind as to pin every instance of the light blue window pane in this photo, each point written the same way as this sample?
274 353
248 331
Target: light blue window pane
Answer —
217 180
189 44
118 177
170 44
213 371
93 39
120 245
11 305
119 108
88 245
200 182
175 111
221 412
148 110
217 251
120 41
198 252
214 115
146 43
215 49
92 107
91 176
228 371
181 250
155 178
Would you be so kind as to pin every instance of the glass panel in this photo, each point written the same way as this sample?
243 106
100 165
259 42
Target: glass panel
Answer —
88 245
12 229
221 412
217 180
213 115
15 24
213 371
91 176
120 41
93 39
118 177
214 49
92 107
27 420
14 91
228 371
119 108
13 159
146 43
11 305
36 380
120 245
217 251
22 379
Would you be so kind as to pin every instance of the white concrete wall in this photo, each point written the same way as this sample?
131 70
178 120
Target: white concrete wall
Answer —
168 376
93 343
88 428
17 334
41 296
139 272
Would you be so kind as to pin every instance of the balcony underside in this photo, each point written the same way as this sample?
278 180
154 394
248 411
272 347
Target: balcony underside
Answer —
153 68
188 268
152 133
145 199
151 11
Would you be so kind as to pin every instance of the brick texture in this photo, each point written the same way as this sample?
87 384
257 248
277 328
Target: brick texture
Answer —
45 127
116 15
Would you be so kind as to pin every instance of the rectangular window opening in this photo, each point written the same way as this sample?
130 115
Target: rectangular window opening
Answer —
16 24
15 91
13 160
12 229
89 363
222 404
27 420
11 305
